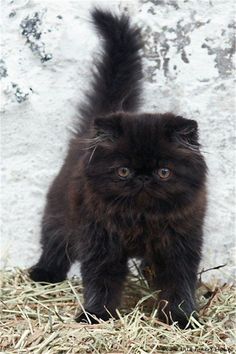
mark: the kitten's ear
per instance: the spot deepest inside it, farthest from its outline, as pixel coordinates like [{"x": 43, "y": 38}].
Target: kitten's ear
[
  {"x": 108, "y": 126},
  {"x": 183, "y": 130}
]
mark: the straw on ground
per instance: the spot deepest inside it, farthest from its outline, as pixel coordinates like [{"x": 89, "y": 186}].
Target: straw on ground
[{"x": 40, "y": 319}]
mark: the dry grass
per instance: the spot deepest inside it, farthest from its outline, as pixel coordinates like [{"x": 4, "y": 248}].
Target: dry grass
[{"x": 39, "y": 319}]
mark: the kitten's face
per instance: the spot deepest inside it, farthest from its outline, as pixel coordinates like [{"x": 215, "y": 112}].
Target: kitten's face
[{"x": 145, "y": 162}]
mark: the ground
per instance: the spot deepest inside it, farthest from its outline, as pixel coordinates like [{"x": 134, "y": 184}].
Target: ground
[{"x": 40, "y": 319}]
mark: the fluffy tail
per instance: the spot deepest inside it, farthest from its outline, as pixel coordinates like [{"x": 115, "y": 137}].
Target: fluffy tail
[{"x": 117, "y": 81}]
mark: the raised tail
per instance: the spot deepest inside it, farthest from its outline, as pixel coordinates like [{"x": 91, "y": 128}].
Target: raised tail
[{"x": 117, "y": 80}]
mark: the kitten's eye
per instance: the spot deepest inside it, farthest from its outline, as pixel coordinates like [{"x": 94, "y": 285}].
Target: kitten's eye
[
  {"x": 164, "y": 173},
  {"x": 123, "y": 172}
]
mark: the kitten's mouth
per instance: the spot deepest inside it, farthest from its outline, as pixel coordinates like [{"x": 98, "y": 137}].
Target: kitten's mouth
[{"x": 143, "y": 197}]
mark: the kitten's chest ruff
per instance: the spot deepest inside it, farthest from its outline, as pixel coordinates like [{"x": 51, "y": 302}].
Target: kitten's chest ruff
[{"x": 144, "y": 236}]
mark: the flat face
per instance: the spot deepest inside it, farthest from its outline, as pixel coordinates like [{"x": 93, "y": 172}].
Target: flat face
[{"x": 139, "y": 159}]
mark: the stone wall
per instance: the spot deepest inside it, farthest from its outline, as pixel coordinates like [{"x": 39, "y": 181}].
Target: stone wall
[{"x": 47, "y": 52}]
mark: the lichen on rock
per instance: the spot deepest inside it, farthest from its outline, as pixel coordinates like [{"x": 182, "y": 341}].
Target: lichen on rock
[
  {"x": 32, "y": 29},
  {"x": 3, "y": 69}
]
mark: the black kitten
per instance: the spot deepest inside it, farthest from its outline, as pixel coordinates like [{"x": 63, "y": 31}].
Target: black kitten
[{"x": 132, "y": 185}]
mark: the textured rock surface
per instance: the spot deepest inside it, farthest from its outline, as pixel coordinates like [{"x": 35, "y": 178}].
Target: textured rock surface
[{"x": 47, "y": 52}]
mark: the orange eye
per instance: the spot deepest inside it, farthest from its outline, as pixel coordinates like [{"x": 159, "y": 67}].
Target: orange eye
[
  {"x": 123, "y": 172},
  {"x": 164, "y": 173}
]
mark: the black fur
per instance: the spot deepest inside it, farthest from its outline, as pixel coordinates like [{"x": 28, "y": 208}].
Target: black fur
[
  {"x": 117, "y": 78},
  {"x": 97, "y": 216}
]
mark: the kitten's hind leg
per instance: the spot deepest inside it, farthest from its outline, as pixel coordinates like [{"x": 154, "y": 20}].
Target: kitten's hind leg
[
  {"x": 146, "y": 271},
  {"x": 56, "y": 257}
]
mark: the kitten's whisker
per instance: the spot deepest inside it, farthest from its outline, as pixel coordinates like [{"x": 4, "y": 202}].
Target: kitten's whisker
[{"x": 91, "y": 156}]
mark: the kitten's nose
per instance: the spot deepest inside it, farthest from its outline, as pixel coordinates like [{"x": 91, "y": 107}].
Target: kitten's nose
[{"x": 144, "y": 178}]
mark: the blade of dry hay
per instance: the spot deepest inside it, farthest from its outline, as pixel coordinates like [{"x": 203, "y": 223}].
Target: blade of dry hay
[{"x": 40, "y": 319}]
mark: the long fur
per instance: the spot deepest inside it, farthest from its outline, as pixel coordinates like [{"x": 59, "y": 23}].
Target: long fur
[
  {"x": 96, "y": 216},
  {"x": 117, "y": 78}
]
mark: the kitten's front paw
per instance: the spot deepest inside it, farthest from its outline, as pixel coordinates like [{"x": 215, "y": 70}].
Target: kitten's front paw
[
  {"x": 44, "y": 276},
  {"x": 183, "y": 321},
  {"x": 92, "y": 318},
  {"x": 176, "y": 314}
]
